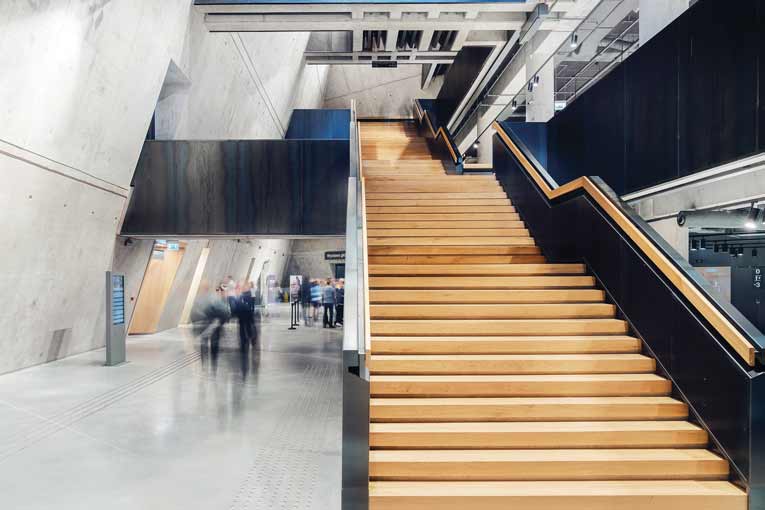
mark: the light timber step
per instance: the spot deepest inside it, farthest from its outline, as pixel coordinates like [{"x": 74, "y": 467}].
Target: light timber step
[
  {"x": 493, "y": 311},
  {"x": 456, "y": 259},
  {"x": 589, "y": 385},
  {"x": 526, "y": 409},
  {"x": 453, "y": 250},
  {"x": 447, "y": 218},
  {"x": 439, "y": 209},
  {"x": 447, "y": 232},
  {"x": 505, "y": 344},
  {"x": 464, "y": 194},
  {"x": 418, "y": 185},
  {"x": 559, "y": 464},
  {"x": 435, "y": 327},
  {"x": 450, "y": 241},
  {"x": 557, "y": 495},
  {"x": 412, "y": 224},
  {"x": 537, "y": 435},
  {"x": 435, "y": 202},
  {"x": 479, "y": 269},
  {"x": 479, "y": 282},
  {"x": 496, "y": 364},
  {"x": 417, "y": 296}
]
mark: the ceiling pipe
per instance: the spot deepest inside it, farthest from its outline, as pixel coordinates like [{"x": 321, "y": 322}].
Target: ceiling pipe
[{"x": 735, "y": 219}]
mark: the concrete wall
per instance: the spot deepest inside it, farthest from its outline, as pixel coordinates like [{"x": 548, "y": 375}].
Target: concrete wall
[
  {"x": 80, "y": 84},
  {"x": 237, "y": 85},
  {"x": 378, "y": 92},
  {"x": 308, "y": 257},
  {"x": 72, "y": 124},
  {"x": 131, "y": 259}
]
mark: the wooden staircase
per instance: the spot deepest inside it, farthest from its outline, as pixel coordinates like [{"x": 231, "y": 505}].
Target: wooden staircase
[{"x": 501, "y": 381}]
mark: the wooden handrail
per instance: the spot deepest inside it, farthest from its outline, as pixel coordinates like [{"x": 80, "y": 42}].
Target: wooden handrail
[
  {"x": 440, "y": 133},
  {"x": 686, "y": 287}
]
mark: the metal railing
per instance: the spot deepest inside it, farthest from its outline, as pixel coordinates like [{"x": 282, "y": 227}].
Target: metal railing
[
  {"x": 354, "y": 331},
  {"x": 355, "y": 452}
]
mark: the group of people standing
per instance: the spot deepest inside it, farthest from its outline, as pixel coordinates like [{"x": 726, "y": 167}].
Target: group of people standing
[{"x": 328, "y": 294}]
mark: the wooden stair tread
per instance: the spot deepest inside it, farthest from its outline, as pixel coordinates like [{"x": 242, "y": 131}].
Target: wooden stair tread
[
  {"x": 375, "y": 225},
  {"x": 463, "y": 194},
  {"x": 552, "y": 464},
  {"x": 480, "y": 282},
  {"x": 505, "y": 344},
  {"x": 446, "y": 218},
  {"x": 439, "y": 209},
  {"x": 555, "y": 495},
  {"x": 411, "y": 364},
  {"x": 479, "y": 327},
  {"x": 477, "y": 269},
  {"x": 456, "y": 259},
  {"x": 537, "y": 435},
  {"x": 440, "y": 232},
  {"x": 452, "y": 250},
  {"x": 492, "y": 311},
  {"x": 548, "y": 385},
  {"x": 447, "y": 241},
  {"x": 525, "y": 409},
  {"x": 520, "y": 296}
]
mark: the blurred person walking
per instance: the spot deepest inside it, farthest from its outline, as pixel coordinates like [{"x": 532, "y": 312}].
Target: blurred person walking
[
  {"x": 245, "y": 313},
  {"x": 328, "y": 299},
  {"x": 305, "y": 299},
  {"x": 315, "y": 299},
  {"x": 208, "y": 315}
]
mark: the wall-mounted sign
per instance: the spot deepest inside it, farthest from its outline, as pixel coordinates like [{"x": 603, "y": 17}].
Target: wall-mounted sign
[
  {"x": 757, "y": 277},
  {"x": 334, "y": 256},
  {"x": 173, "y": 246}
]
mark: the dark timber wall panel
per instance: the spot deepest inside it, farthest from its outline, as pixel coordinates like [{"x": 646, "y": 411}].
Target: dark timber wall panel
[
  {"x": 248, "y": 187},
  {"x": 458, "y": 80},
  {"x": 325, "y": 124},
  {"x": 689, "y": 100}
]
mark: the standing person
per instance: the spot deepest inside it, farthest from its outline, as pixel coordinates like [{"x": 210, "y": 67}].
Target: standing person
[
  {"x": 229, "y": 288},
  {"x": 315, "y": 299},
  {"x": 245, "y": 313},
  {"x": 339, "y": 302},
  {"x": 305, "y": 299},
  {"x": 328, "y": 297}
]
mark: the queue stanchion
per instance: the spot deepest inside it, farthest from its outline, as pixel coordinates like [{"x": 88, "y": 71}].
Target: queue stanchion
[{"x": 294, "y": 319}]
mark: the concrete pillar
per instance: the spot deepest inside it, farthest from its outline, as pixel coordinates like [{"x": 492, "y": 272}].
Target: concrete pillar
[
  {"x": 540, "y": 102},
  {"x": 484, "y": 148},
  {"x": 657, "y": 14},
  {"x": 674, "y": 234}
]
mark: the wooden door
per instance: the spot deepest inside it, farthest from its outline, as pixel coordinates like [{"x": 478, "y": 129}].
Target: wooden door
[{"x": 155, "y": 289}]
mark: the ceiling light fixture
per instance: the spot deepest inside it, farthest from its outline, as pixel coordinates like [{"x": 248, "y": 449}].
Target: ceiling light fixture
[
  {"x": 751, "y": 218},
  {"x": 574, "y": 41}
]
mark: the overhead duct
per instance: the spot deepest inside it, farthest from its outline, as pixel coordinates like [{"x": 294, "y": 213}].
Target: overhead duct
[
  {"x": 736, "y": 219},
  {"x": 536, "y": 17}
]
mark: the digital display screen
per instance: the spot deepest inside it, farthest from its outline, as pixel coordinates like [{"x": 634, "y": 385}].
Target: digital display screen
[{"x": 118, "y": 300}]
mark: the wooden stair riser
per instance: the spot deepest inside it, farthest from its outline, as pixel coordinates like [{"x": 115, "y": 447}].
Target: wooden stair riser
[
  {"x": 536, "y": 435},
  {"x": 603, "y": 385},
  {"x": 561, "y": 464},
  {"x": 506, "y": 345},
  {"x": 525, "y": 409},
  {"x": 492, "y": 311}
]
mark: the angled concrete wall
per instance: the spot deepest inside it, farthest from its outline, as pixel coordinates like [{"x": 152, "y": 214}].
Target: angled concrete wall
[
  {"x": 81, "y": 82},
  {"x": 378, "y": 92}
]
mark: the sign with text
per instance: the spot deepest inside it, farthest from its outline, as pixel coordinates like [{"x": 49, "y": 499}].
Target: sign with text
[{"x": 334, "y": 256}]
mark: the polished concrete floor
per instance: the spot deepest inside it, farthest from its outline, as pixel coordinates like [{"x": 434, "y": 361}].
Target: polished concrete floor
[{"x": 173, "y": 430}]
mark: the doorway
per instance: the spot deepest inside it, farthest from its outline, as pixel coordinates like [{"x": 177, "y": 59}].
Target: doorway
[{"x": 155, "y": 287}]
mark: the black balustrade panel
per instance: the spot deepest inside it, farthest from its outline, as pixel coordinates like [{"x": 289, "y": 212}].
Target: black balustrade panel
[
  {"x": 690, "y": 99},
  {"x": 240, "y": 187}
]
